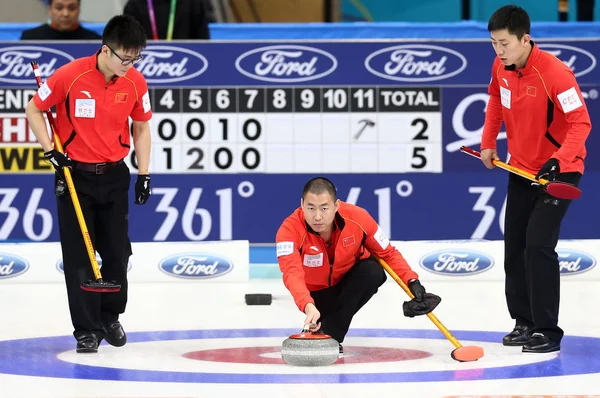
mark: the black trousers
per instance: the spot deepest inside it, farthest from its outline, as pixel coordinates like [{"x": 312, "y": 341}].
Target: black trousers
[
  {"x": 105, "y": 205},
  {"x": 585, "y": 10},
  {"x": 338, "y": 304},
  {"x": 531, "y": 232}
]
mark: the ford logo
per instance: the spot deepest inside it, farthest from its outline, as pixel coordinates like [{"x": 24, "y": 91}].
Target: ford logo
[
  {"x": 61, "y": 266},
  {"x": 196, "y": 265},
  {"x": 456, "y": 262},
  {"x": 15, "y": 63},
  {"x": 286, "y": 63},
  {"x": 166, "y": 64},
  {"x": 11, "y": 265},
  {"x": 415, "y": 63},
  {"x": 573, "y": 262},
  {"x": 580, "y": 61}
]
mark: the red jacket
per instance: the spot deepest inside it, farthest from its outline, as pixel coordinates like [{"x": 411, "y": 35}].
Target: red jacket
[
  {"x": 92, "y": 116},
  {"x": 305, "y": 264},
  {"x": 543, "y": 110}
]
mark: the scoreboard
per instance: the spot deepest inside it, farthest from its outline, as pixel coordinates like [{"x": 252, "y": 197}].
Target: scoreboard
[
  {"x": 239, "y": 127},
  {"x": 19, "y": 150},
  {"x": 311, "y": 129}
]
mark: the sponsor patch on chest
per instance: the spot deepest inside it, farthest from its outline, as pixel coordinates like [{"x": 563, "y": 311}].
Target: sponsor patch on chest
[
  {"x": 313, "y": 260},
  {"x": 85, "y": 108},
  {"x": 505, "y": 97}
]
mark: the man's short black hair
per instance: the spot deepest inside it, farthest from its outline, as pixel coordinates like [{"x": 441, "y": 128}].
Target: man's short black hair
[
  {"x": 513, "y": 18},
  {"x": 124, "y": 32},
  {"x": 319, "y": 185},
  {"x": 50, "y": 2}
]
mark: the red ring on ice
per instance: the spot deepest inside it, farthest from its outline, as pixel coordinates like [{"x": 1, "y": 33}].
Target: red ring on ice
[{"x": 271, "y": 355}]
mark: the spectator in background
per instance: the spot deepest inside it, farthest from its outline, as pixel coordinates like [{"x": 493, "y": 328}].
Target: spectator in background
[
  {"x": 585, "y": 10},
  {"x": 64, "y": 24},
  {"x": 191, "y": 18}
]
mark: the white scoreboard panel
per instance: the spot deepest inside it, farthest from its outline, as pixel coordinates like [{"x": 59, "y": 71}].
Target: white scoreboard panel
[{"x": 302, "y": 129}]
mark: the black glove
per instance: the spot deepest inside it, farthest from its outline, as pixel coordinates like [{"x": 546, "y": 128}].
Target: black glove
[
  {"x": 142, "y": 189},
  {"x": 417, "y": 290},
  {"x": 549, "y": 170},
  {"x": 58, "y": 160},
  {"x": 413, "y": 308}
]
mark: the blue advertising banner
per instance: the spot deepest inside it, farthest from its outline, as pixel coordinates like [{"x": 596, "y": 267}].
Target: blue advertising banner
[
  {"x": 300, "y": 63},
  {"x": 239, "y": 127},
  {"x": 449, "y": 206}
]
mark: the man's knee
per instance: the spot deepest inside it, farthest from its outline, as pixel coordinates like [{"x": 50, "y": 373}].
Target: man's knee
[
  {"x": 535, "y": 251},
  {"x": 371, "y": 272}
]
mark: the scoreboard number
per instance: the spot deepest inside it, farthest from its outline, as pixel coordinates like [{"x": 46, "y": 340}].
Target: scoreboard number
[
  {"x": 276, "y": 129},
  {"x": 303, "y": 129}
]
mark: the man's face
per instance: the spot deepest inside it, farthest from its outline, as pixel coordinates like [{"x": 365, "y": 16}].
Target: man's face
[
  {"x": 115, "y": 59},
  {"x": 319, "y": 211},
  {"x": 64, "y": 14},
  {"x": 508, "y": 47}
]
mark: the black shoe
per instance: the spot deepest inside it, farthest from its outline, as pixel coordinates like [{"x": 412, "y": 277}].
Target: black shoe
[
  {"x": 341, "y": 349},
  {"x": 540, "y": 344},
  {"x": 519, "y": 336},
  {"x": 114, "y": 334},
  {"x": 87, "y": 343}
]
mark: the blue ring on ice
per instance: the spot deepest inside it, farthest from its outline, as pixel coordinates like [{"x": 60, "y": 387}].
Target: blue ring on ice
[{"x": 38, "y": 357}]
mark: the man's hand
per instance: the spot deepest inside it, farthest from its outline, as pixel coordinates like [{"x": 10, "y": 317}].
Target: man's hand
[
  {"x": 58, "y": 160},
  {"x": 142, "y": 189},
  {"x": 487, "y": 155},
  {"x": 417, "y": 290},
  {"x": 549, "y": 170},
  {"x": 312, "y": 316}
]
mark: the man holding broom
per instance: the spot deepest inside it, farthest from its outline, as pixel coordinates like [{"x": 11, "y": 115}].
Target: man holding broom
[
  {"x": 325, "y": 251},
  {"x": 94, "y": 97},
  {"x": 547, "y": 123}
]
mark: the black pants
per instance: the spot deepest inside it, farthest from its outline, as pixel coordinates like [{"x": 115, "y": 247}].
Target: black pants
[
  {"x": 585, "y": 10},
  {"x": 338, "y": 304},
  {"x": 105, "y": 205},
  {"x": 531, "y": 232}
]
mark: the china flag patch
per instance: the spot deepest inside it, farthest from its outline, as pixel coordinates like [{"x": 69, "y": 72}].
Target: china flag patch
[
  {"x": 121, "y": 97},
  {"x": 348, "y": 241}
]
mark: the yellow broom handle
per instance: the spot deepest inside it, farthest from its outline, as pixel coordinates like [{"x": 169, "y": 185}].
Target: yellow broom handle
[{"x": 430, "y": 315}]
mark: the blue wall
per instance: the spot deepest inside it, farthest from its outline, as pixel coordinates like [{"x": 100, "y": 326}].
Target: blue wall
[{"x": 450, "y": 10}]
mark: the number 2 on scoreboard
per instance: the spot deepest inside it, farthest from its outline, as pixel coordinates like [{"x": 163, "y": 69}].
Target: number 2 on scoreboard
[{"x": 419, "y": 160}]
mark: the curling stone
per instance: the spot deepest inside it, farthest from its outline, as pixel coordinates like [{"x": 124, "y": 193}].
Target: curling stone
[
  {"x": 258, "y": 299},
  {"x": 310, "y": 349}
]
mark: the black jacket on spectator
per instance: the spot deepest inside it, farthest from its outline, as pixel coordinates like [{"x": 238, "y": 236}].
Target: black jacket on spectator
[
  {"x": 47, "y": 32},
  {"x": 191, "y": 18}
]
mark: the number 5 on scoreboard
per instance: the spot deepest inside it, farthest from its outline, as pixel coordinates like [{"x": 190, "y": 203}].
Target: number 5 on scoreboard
[{"x": 418, "y": 159}]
